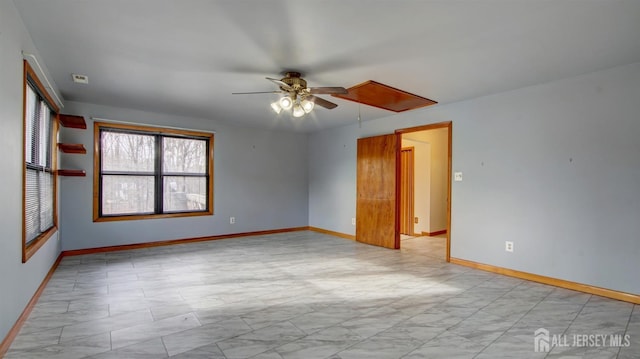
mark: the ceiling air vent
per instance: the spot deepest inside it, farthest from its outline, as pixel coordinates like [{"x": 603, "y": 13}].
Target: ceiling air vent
[{"x": 80, "y": 79}]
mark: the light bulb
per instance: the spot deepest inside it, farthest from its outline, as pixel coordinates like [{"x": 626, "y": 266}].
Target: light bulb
[
  {"x": 307, "y": 105},
  {"x": 298, "y": 111},
  {"x": 286, "y": 102},
  {"x": 276, "y": 107}
]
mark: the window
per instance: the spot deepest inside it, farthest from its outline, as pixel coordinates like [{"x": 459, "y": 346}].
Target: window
[
  {"x": 39, "y": 180},
  {"x": 145, "y": 172}
]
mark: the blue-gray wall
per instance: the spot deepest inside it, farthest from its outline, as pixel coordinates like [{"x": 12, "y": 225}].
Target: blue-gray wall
[
  {"x": 555, "y": 168},
  {"x": 18, "y": 281},
  {"x": 260, "y": 178}
]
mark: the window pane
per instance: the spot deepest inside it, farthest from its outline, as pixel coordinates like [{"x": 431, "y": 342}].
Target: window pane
[
  {"x": 181, "y": 155},
  {"x": 38, "y": 203},
  {"x": 127, "y": 152},
  {"x": 127, "y": 194},
  {"x": 31, "y": 134},
  {"x": 46, "y": 200},
  {"x": 184, "y": 193},
  {"x": 32, "y": 205}
]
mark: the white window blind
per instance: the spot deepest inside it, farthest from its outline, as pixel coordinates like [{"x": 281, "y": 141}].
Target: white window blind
[{"x": 39, "y": 183}]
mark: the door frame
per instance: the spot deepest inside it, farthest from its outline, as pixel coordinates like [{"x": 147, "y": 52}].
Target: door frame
[
  {"x": 411, "y": 190},
  {"x": 399, "y": 133}
]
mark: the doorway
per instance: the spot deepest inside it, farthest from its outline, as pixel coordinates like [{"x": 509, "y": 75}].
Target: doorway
[
  {"x": 431, "y": 185},
  {"x": 378, "y": 193}
]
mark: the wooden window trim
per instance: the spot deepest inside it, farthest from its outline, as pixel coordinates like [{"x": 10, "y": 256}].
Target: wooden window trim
[
  {"x": 28, "y": 250},
  {"x": 155, "y": 130}
]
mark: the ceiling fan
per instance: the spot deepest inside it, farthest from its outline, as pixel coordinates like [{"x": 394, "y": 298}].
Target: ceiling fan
[{"x": 298, "y": 97}]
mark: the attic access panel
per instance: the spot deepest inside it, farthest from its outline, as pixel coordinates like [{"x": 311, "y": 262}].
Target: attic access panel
[{"x": 379, "y": 95}]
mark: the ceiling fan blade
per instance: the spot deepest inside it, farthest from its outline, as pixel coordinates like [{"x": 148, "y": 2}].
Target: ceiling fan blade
[
  {"x": 327, "y": 90},
  {"x": 322, "y": 102},
  {"x": 280, "y": 83},
  {"x": 253, "y": 93}
]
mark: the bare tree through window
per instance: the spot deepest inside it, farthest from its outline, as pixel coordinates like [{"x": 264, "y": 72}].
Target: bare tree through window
[{"x": 152, "y": 173}]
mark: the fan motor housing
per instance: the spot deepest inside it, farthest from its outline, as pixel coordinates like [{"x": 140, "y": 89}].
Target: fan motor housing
[{"x": 294, "y": 80}]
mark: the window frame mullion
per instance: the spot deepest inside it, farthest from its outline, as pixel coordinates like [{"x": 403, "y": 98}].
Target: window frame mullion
[{"x": 159, "y": 183}]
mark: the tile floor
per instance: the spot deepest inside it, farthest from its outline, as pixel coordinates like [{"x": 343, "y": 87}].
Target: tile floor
[{"x": 307, "y": 295}]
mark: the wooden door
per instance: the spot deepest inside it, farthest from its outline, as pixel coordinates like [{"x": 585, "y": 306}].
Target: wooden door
[
  {"x": 406, "y": 191},
  {"x": 376, "y": 218}
]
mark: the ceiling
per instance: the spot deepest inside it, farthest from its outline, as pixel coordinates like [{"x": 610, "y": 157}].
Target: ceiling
[{"x": 186, "y": 57}]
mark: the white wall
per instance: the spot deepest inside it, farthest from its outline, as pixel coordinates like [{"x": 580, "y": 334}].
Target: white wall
[
  {"x": 421, "y": 183},
  {"x": 438, "y": 167},
  {"x": 18, "y": 281},
  {"x": 259, "y": 178},
  {"x": 439, "y": 140},
  {"x": 553, "y": 167}
]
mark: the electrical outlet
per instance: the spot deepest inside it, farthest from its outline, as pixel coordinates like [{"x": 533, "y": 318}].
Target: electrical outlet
[
  {"x": 353, "y": 221},
  {"x": 415, "y": 219},
  {"x": 457, "y": 176},
  {"x": 508, "y": 246},
  {"x": 232, "y": 220}
]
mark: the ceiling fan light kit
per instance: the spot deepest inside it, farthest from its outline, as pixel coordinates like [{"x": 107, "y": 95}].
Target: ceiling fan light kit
[
  {"x": 297, "y": 97},
  {"x": 298, "y": 111},
  {"x": 276, "y": 107},
  {"x": 307, "y": 105},
  {"x": 286, "y": 103}
]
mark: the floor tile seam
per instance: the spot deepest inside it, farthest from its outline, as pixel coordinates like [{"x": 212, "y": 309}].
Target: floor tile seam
[
  {"x": 517, "y": 321},
  {"x": 220, "y": 349},
  {"x": 356, "y": 343},
  {"x": 249, "y": 325},
  {"x": 300, "y": 329},
  {"x": 403, "y": 355},
  {"x": 74, "y": 322},
  {"x": 160, "y": 336},
  {"x": 164, "y": 345},
  {"x": 481, "y": 308},
  {"x": 268, "y": 342},
  {"x": 213, "y": 342},
  {"x": 321, "y": 329},
  {"x": 309, "y": 334},
  {"x": 626, "y": 328},
  {"x": 274, "y": 306},
  {"x": 432, "y": 339},
  {"x": 577, "y": 315},
  {"x": 512, "y": 325},
  {"x": 570, "y": 323},
  {"x": 37, "y": 346}
]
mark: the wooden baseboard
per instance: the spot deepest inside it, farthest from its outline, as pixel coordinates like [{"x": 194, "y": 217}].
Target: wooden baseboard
[
  {"x": 76, "y": 252},
  {"x": 436, "y": 233},
  {"x": 332, "y": 233},
  {"x": 603, "y": 292},
  {"x": 13, "y": 332}
]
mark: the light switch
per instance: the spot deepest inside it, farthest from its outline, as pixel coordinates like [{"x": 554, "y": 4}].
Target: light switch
[{"x": 457, "y": 176}]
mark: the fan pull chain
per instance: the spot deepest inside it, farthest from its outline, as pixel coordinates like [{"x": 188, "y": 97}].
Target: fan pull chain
[{"x": 359, "y": 118}]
